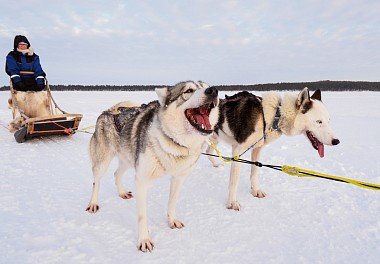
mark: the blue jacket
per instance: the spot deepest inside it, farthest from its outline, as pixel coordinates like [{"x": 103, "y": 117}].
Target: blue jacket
[{"x": 16, "y": 62}]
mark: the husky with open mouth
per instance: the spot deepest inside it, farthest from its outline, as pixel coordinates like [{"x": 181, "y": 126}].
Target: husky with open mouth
[
  {"x": 162, "y": 137},
  {"x": 247, "y": 122}
]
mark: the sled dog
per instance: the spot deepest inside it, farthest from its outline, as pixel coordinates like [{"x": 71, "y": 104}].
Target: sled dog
[
  {"x": 32, "y": 104},
  {"x": 250, "y": 122},
  {"x": 162, "y": 137}
]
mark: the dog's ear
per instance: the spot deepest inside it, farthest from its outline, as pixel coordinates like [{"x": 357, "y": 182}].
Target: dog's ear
[
  {"x": 303, "y": 97},
  {"x": 162, "y": 93},
  {"x": 203, "y": 84},
  {"x": 317, "y": 95}
]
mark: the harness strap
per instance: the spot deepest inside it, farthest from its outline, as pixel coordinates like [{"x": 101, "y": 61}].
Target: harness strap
[
  {"x": 262, "y": 138},
  {"x": 276, "y": 119},
  {"x": 225, "y": 159},
  {"x": 273, "y": 128}
]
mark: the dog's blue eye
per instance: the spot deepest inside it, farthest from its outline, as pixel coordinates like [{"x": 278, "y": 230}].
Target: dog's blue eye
[{"x": 189, "y": 91}]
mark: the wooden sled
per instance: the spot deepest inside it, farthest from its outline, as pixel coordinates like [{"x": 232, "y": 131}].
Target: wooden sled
[{"x": 58, "y": 123}]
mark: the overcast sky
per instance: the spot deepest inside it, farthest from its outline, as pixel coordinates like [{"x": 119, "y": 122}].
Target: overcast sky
[{"x": 219, "y": 42}]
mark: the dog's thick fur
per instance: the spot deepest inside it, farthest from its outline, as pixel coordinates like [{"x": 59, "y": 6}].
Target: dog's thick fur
[
  {"x": 119, "y": 107},
  {"x": 244, "y": 119},
  {"x": 33, "y": 104},
  {"x": 162, "y": 137}
]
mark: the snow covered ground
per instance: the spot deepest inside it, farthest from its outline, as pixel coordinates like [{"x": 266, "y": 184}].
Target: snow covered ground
[{"x": 45, "y": 186}]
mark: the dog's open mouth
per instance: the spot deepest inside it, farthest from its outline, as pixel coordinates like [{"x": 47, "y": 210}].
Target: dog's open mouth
[
  {"x": 318, "y": 145},
  {"x": 199, "y": 117}
]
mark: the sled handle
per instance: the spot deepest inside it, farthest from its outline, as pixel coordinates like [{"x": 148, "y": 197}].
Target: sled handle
[{"x": 26, "y": 72}]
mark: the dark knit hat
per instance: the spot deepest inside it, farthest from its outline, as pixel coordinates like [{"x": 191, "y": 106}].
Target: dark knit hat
[{"x": 18, "y": 39}]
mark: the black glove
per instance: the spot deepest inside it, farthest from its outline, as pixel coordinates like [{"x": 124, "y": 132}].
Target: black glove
[
  {"x": 20, "y": 86},
  {"x": 40, "y": 87}
]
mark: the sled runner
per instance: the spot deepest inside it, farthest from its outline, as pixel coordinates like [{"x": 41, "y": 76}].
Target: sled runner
[{"x": 58, "y": 122}]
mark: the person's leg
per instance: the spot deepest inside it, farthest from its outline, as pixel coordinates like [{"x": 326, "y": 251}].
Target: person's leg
[
  {"x": 20, "y": 86},
  {"x": 31, "y": 85}
]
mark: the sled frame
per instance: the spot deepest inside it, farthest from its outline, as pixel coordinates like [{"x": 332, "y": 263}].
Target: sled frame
[{"x": 54, "y": 124}]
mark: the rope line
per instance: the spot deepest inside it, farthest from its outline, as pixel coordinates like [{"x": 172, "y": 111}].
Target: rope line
[
  {"x": 263, "y": 137},
  {"x": 83, "y": 131},
  {"x": 87, "y": 128},
  {"x": 1, "y": 124},
  {"x": 299, "y": 172},
  {"x": 67, "y": 130},
  {"x": 295, "y": 171}
]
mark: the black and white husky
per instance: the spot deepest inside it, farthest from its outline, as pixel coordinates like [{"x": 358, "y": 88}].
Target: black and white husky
[
  {"x": 162, "y": 137},
  {"x": 247, "y": 121}
]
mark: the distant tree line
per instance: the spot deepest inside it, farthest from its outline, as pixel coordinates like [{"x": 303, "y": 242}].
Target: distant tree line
[{"x": 322, "y": 85}]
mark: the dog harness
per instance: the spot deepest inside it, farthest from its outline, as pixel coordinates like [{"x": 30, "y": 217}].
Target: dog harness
[
  {"x": 276, "y": 119},
  {"x": 274, "y": 127}
]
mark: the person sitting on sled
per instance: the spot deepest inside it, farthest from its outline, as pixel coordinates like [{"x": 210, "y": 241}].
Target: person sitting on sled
[{"x": 24, "y": 68}]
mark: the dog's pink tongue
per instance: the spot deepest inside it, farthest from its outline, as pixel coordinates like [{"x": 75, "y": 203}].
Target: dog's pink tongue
[
  {"x": 203, "y": 119},
  {"x": 321, "y": 150}
]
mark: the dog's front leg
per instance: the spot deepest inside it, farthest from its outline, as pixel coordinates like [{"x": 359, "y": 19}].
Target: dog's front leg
[
  {"x": 255, "y": 188},
  {"x": 232, "y": 203},
  {"x": 144, "y": 242},
  {"x": 175, "y": 186}
]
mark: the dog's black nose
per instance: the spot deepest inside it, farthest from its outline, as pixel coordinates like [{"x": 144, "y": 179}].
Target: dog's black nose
[
  {"x": 211, "y": 91},
  {"x": 335, "y": 141}
]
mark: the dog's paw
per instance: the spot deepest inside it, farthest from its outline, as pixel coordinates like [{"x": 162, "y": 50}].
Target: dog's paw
[
  {"x": 145, "y": 245},
  {"x": 176, "y": 224},
  {"x": 126, "y": 195},
  {"x": 258, "y": 193},
  {"x": 92, "y": 208},
  {"x": 234, "y": 205}
]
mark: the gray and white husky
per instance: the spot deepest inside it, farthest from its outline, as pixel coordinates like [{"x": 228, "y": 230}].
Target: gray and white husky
[
  {"x": 162, "y": 137},
  {"x": 247, "y": 121}
]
